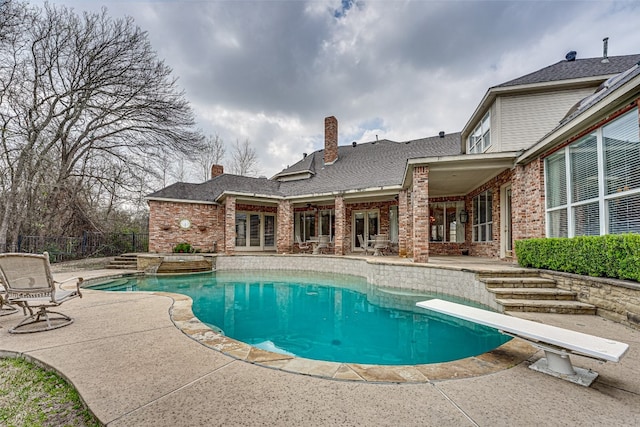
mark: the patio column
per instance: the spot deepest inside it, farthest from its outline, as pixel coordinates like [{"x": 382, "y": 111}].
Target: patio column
[
  {"x": 285, "y": 227},
  {"x": 403, "y": 223},
  {"x": 420, "y": 202},
  {"x": 340, "y": 226},
  {"x": 230, "y": 225}
]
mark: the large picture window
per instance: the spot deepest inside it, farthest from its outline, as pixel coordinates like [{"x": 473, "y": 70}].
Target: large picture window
[
  {"x": 480, "y": 139},
  {"x": 483, "y": 217},
  {"x": 593, "y": 185}
]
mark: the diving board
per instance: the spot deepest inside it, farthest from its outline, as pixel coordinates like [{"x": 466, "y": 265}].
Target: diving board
[{"x": 557, "y": 343}]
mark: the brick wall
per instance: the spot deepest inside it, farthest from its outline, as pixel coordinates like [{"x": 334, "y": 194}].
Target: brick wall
[
  {"x": 528, "y": 201},
  {"x": 421, "y": 223},
  {"x": 165, "y": 231},
  {"x": 284, "y": 229},
  {"x": 230, "y": 225}
]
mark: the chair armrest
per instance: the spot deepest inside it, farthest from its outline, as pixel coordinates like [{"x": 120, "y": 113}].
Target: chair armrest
[{"x": 78, "y": 283}]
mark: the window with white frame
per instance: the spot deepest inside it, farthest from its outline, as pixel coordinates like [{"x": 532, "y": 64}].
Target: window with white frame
[
  {"x": 480, "y": 138},
  {"x": 483, "y": 217},
  {"x": 445, "y": 223},
  {"x": 593, "y": 185}
]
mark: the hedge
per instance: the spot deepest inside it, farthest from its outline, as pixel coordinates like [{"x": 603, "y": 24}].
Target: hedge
[{"x": 616, "y": 256}]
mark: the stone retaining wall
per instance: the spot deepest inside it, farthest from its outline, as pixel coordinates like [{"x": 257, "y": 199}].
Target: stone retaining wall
[
  {"x": 617, "y": 300},
  {"x": 410, "y": 277}
]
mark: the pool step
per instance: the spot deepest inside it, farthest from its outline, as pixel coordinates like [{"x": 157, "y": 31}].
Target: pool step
[
  {"x": 533, "y": 293},
  {"x": 546, "y": 306}
]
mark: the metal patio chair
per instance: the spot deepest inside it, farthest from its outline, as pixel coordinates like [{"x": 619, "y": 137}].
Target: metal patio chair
[
  {"x": 5, "y": 307},
  {"x": 29, "y": 284}
]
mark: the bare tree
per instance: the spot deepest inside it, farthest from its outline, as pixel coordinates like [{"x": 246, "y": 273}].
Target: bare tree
[
  {"x": 212, "y": 154},
  {"x": 76, "y": 91},
  {"x": 244, "y": 160}
]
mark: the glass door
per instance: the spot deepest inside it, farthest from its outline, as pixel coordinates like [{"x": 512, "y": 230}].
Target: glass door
[{"x": 365, "y": 223}]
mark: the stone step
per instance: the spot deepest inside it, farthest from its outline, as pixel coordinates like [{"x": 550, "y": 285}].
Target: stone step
[
  {"x": 546, "y": 306},
  {"x": 121, "y": 267},
  {"x": 518, "y": 282},
  {"x": 533, "y": 293},
  {"x": 507, "y": 273},
  {"x": 124, "y": 262}
]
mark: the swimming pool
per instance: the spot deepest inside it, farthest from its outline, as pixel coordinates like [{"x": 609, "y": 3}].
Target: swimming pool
[{"x": 320, "y": 316}]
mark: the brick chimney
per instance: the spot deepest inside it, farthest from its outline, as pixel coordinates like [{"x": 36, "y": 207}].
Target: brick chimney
[
  {"x": 330, "y": 140},
  {"x": 216, "y": 170}
]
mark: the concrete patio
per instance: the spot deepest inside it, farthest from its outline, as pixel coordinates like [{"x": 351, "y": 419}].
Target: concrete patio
[{"x": 134, "y": 367}]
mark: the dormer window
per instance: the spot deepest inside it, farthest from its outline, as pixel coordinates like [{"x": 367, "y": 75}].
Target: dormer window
[{"x": 480, "y": 140}]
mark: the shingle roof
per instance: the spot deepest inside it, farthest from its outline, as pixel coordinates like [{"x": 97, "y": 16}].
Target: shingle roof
[
  {"x": 373, "y": 164},
  {"x": 580, "y": 68},
  {"x": 210, "y": 190}
]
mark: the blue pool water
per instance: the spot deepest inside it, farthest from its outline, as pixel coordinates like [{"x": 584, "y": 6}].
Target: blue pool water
[{"x": 324, "y": 317}]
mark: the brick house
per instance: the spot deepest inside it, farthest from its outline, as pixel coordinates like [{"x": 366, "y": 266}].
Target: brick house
[{"x": 552, "y": 153}]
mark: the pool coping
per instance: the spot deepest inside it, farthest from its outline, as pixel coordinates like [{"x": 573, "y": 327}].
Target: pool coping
[{"x": 504, "y": 357}]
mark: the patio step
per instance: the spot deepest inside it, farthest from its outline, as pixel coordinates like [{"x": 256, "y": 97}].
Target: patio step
[
  {"x": 526, "y": 291},
  {"x": 124, "y": 262},
  {"x": 546, "y": 306},
  {"x": 534, "y": 293},
  {"x": 518, "y": 282}
]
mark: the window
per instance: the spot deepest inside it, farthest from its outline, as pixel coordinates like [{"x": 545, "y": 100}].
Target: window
[
  {"x": 305, "y": 225},
  {"x": 393, "y": 224},
  {"x": 593, "y": 185},
  {"x": 255, "y": 230},
  {"x": 445, "y": 223},
  {"x": 480, "y": 139},
  {"x": 327, "y": 223},
  {"x": 483, "y": 217}
]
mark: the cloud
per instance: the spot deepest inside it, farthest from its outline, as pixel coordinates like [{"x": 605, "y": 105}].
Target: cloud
[{"x": 270, "y": 71}]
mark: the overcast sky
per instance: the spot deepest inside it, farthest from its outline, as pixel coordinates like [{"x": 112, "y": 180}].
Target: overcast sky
[{"x": 271, "y": 71}]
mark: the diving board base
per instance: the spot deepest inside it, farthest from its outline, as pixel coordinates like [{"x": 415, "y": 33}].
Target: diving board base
[{"x": 581, "y": 376}]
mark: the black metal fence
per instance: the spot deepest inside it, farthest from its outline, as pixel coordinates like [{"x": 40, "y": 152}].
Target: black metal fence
[{"x": 90, "y": 244}]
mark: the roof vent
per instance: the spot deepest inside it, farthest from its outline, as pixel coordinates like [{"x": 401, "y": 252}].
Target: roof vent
[
  {"x": 353, "y": 144},
  {"x": 441, "y": 134},
  {"x": 571, "y": 56},
  {"x": 605, "y": 48},
  {"x": 304, "y": 155}
]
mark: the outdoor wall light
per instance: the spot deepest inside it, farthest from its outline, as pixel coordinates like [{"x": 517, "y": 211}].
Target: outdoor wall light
[{"x": 464, "y": 216}]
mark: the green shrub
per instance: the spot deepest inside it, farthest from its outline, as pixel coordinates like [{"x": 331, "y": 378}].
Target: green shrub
[
  {"x": 183, "y": 247},
  {"x": 616, "y": 256}
]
